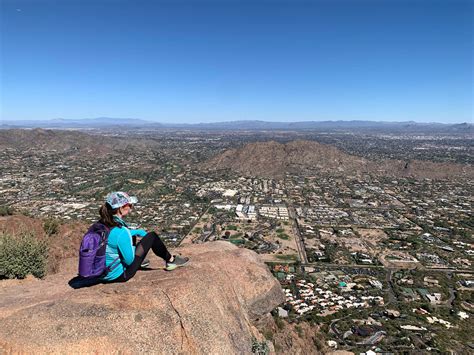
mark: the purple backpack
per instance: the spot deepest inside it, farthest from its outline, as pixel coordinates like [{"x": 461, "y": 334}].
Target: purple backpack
[{"x": 92, "y": 252}]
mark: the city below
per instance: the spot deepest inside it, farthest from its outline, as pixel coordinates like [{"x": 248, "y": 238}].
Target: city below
[{"x": 370, "y": 233}]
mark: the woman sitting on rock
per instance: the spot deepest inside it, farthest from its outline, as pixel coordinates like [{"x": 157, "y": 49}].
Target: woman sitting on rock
[{"x": 123, "y": 255}]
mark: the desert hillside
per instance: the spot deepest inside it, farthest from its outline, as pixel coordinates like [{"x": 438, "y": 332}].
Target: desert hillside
[
  {"x": 275, "y": 160},
  {"x": 71, "y": 142}
]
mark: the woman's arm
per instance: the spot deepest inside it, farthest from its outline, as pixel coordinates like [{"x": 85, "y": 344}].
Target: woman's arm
[
  {"x": 124, "y": 244},
  {"x": 139, "y": 232}
]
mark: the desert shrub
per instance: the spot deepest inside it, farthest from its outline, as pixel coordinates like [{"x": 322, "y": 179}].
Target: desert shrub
[
  {"x": 212, "y": 210},
  {"x": 260, "y": 347},
  {"x": 51, "y": 226},
  {"x": 268, "y": 334},
  {"x": 280, "y": 323},
  {"x": 21, "y": 255},
  {"x": 6, "y": 211},
  {"x": 26, "y": 213}
]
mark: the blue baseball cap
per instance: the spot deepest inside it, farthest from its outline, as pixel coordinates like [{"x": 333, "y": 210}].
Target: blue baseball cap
[{"x": 118, "y": 199}]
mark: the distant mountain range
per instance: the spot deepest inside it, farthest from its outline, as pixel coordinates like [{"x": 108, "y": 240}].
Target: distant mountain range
[
  {"x": 134, "y": 123},
  {"x": 99, "y": 122}
]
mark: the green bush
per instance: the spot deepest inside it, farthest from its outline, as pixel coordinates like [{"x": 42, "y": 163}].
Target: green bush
[
  {"x": 51, "y": 226},
  {"x": 22, "y": 255},
  {"x": 318, "y": 343},
  {"x": 280, "y": 323},
  {"x": 268, "y": 334},
  {"x": 259, "y": 347},
  {"x": 6, "y": 211}
]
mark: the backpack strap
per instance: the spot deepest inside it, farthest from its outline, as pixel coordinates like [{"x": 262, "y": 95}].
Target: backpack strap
[
  {"x": 105, "y": 237},
  {"x": 113, "y": 265}
]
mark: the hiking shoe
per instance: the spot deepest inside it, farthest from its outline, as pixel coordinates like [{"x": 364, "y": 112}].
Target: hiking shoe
[
  {"x": 145, "y": 263},
  {"x": 177, "y": 262}
]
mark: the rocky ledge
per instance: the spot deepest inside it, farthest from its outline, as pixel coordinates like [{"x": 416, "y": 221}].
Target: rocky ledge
[{"x": 208, "y": 307}]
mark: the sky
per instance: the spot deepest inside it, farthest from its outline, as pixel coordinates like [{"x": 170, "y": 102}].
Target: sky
[{"x": 213, "y": 61}]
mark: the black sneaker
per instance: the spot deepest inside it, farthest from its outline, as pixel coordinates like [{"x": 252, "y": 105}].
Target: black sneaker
[{"x": 177, "y": 262}]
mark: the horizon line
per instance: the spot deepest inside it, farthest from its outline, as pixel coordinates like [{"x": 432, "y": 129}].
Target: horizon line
[{"x": 3, "y": 121}]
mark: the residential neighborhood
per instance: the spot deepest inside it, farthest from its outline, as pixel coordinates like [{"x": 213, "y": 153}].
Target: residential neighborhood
[{"x": 378, "y": 262}]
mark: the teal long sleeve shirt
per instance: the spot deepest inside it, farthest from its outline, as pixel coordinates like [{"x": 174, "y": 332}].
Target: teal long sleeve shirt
[{"x": 120, "y": 247}]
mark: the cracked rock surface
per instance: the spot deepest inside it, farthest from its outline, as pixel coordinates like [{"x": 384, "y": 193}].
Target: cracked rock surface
[{"x": 207, "y": 307}]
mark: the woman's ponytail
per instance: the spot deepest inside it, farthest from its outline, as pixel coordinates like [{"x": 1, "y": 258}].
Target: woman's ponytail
[{"x": 107, "y": 215}]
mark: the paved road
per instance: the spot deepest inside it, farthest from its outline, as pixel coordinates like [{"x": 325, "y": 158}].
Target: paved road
[
  {"x": 299, "y": 238},
  {"x": 461, "y": 271},
  {"x": 335, "y": 330},
  {"x": 340, "y": 266},
  {"x": 194, "y": 224},
  {"x": 449, "y": 301},
  {"x": 373, "y": 339},
  {"x": 391, "y": 295}
]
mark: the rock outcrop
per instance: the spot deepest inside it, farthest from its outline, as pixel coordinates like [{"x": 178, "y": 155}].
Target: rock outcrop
[{"x": 208, "y": 307}]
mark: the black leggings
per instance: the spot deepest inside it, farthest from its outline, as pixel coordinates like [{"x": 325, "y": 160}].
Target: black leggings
[{"x": 151, "y": 240}]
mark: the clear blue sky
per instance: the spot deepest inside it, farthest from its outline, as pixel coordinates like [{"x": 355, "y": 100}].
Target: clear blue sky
[{"x": 205, "y": 61}]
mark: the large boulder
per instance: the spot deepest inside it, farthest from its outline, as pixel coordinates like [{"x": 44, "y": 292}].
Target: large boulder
[{"x": 207, "y": 307}]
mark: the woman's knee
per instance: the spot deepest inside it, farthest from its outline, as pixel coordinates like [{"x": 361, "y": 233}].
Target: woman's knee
[{"x": 156, "y": 237}]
